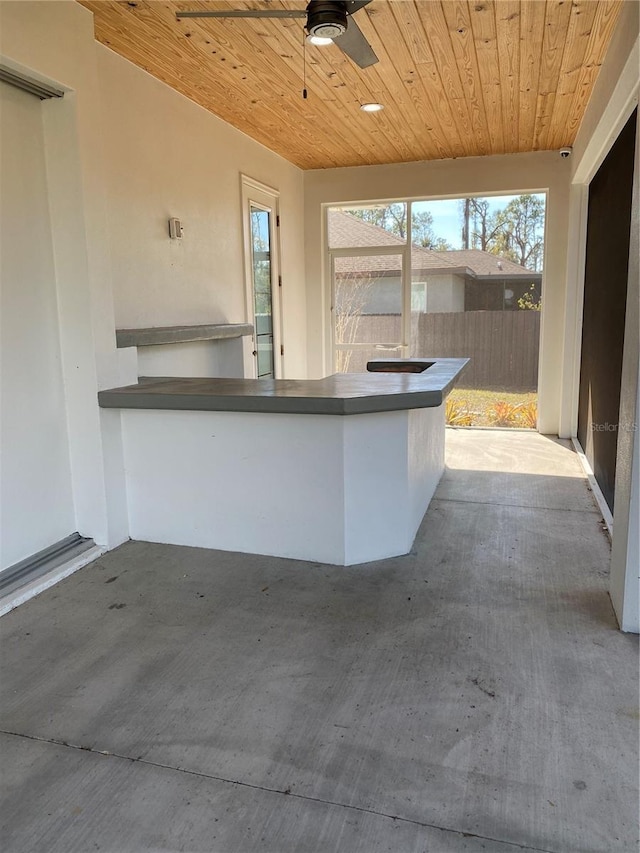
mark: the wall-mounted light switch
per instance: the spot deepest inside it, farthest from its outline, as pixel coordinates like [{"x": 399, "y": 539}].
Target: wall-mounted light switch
[{"x": 175, "y": 229}]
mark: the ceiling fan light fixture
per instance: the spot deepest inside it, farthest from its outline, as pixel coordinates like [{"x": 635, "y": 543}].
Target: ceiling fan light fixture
[
  {"x": 326, "y": 19},
  {"x": 320, "y": 41},
  {"x": 371, "y": 108},
  {"x": 328, "y": 30}
]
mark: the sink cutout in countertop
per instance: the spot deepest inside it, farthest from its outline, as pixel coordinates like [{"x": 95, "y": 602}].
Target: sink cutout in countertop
[{"x": 398, "y": 366}]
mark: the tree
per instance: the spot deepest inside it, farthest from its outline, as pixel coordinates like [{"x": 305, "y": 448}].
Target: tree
[
  {"x": 439, "y": 245},
  {"x": 352, "y": 290},
  {"x": 481, "y": 228},
  {"x": 522, "y": 236},
  {"x": 422, "y": 229},
  {"x": 516, "y": 232},
  {"x": 393, "y": 218},
  {"x": 530, "y": 300}
]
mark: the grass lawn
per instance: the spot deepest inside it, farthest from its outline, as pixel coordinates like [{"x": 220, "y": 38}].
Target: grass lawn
[{"x": 477, "y": 407}]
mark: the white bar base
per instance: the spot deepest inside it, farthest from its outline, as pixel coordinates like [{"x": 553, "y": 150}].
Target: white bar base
[{"x": 332, "y": 489}]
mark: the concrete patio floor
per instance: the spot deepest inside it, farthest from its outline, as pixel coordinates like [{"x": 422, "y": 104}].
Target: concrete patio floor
[{"x": 474, "y": 695}]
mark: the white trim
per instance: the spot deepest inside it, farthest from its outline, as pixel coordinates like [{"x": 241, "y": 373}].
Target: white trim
[
  {"x": 623, "y": 101},
  {"x": 365, "y": 251},
  {"x": 326, "y": 339},
  {"x": 46, "y": 82},
  {"x": 574, "y": 306},
  {"x": 407, "y": 279},
  {"x": 251, "y": 183},
  {"x": 544, "y": 315},
  {"x": 593, "y": 485},
  {"x": 332, "y": 312},
  {"x": 30, "y": 590},
  {"x": 267, "y": 198},
  {"x": 624, "y": 585},
  {"x": 28, "y": 84}
]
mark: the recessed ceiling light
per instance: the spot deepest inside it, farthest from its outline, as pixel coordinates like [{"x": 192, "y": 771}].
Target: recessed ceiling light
[
  {"x": 319, "y": 40},
  {"x": 371, "y": 108}
]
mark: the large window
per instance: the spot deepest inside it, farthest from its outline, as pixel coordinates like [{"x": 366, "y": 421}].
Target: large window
[{"x": 454, "y": 277}]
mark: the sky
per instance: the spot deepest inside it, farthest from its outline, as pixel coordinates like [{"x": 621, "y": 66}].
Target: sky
[{"x": 446, "y": 214}]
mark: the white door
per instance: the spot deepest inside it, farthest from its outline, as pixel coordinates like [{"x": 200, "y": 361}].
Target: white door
[
  {"x": 36, "y": 497},
  {"x": 264, "y": 284}
]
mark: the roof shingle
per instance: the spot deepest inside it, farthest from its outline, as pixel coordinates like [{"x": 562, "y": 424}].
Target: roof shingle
[
  {"x": 484, "y": 263},
  {"x": 348, "y": 232}
]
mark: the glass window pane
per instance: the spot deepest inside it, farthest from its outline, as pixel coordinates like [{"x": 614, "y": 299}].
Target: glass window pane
[
  {"x": 265, "y": 356},
  {"x": 262, "y": 295},
  {"x": 367, "y": 225},
  {"x": 368, "y": 299},
  {"x": 263, "y": 324},
  {"x": 475, "y": 290},
  {"x": 260, "y": 229}
]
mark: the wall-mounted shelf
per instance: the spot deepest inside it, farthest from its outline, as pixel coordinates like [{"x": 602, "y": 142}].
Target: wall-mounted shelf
[{"x": 181, "y": 334}]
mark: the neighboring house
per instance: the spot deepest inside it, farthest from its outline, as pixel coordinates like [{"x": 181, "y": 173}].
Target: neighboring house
[
  {"x": 442, "y": 282},
  {"x": 493, "y": 283}
]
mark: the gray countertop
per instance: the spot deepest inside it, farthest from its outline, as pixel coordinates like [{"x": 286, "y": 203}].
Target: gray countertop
[
  {"x": 340, "y": 394},
  {"x": 156, "y": 335}
]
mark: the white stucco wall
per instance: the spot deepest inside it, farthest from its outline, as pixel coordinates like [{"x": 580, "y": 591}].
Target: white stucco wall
[
  {"x": 53, "y": 41},
  {"x": 123, "y": 152},
  {"x": 223, "y": 358},
  {"x": 165, "y": 156},
  {"x": 36, "y": 503},
  {"x": 445, "y": 293},
  {"x": 499, "y": 175},
  {"x": 327, "y": 488}
]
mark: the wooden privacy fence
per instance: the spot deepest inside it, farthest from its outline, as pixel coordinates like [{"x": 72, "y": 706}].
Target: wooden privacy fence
[{"x": 502, "y": 345}]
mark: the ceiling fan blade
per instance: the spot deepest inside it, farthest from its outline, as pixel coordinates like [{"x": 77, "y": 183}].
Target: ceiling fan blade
[
  {"x": 355, "y": 45},
  {"x": 353, "y": 5},
  {"x": 245, "y": 13}
]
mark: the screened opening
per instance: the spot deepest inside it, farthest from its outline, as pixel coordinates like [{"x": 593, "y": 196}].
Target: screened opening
[{"x": 448, "y": 278}]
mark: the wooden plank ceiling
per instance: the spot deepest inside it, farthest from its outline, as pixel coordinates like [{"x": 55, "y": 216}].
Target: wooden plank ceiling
[{"x": 456, "y": 78}]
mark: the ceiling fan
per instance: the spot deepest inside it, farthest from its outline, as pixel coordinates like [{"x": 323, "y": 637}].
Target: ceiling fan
[{"x": 326, "y": 19}]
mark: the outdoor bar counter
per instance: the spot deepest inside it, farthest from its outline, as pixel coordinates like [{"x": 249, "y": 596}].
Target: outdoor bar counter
[{"x": 337, "y": 470}]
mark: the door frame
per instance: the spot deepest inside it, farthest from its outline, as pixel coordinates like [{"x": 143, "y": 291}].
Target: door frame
[{"x": 256, "y": 194}]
